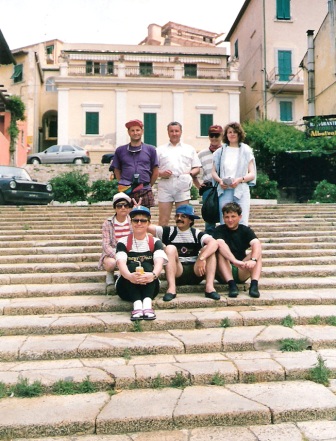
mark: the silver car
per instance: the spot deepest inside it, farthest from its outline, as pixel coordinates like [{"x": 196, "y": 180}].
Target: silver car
[{"x": 60, "y": 154}]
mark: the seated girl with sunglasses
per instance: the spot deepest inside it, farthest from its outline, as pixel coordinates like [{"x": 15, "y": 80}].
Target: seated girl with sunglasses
[
  {"x": 113, "y": 229},
  {"x": 140, "y": 259}
]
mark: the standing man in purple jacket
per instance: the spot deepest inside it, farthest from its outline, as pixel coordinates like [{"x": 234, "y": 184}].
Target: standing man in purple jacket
[{"x": 136, "y": 166}]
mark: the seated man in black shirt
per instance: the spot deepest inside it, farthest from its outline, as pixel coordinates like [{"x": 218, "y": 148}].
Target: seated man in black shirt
[{"x": 233, "y": 264}]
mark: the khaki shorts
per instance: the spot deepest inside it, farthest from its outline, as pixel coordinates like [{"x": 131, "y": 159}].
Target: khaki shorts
[{"x": 175, "y": 189}]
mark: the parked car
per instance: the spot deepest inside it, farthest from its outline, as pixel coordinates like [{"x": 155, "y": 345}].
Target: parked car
[
  {"x": 107, "y": 158},
  {"x": 60, "y": 154},
  {"x": 17, "y": 187}
]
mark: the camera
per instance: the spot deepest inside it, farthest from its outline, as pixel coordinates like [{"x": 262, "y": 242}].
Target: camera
[{"x": 135, "y": 178}]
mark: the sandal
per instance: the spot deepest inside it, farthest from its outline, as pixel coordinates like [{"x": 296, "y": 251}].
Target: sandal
[
  {"x": 146, "y": 315},
  {"x": 137, "y": 314}
]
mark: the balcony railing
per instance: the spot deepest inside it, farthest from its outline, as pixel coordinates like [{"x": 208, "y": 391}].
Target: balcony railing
[{"x": 176, "y": 72}]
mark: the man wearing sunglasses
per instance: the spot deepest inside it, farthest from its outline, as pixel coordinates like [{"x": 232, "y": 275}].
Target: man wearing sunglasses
[
  {"x": 205, "y": 156},
  {"x": 191, "y": 254}
]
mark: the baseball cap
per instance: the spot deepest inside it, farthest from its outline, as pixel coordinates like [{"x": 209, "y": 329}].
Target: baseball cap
[
  {"x": 215, "y": 129},
  {"x": 120, "y": 196},
  {"x": 134, "y": 122},
  {"x": 140, "y": 209},
  {"x": 188, "y": 210}
]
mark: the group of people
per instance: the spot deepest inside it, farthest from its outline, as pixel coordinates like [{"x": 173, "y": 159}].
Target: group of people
[{"x": 229, "y": 253}]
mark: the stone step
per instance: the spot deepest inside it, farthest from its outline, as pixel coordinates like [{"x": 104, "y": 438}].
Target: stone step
[
  {"x": 143, "y": 372},
  {"x": 167, "y": 319},
  {"x": 173, "y": 341},
  {"x": 74, "y": 300},
  {"x": 167, "y": 409},
  {"x": 296, "y": 431}
]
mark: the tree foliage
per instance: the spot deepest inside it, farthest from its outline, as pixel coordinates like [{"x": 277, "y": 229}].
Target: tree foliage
[{"x": 17, "y": 109}]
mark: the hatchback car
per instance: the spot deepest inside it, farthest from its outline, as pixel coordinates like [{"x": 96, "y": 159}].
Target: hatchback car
[
  {"x": 107, "y": 158},
  {"x": 60, "y": 154},
  {"x": 17, "y": 187}
]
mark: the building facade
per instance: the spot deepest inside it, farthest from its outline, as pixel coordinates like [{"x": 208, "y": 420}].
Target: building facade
[
  {"x": 83, "y": 94},
  {"x": 268, "y": 38}
]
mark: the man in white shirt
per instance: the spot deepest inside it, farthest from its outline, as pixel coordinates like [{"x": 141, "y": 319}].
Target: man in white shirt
[{"x": 178, "y": 164}]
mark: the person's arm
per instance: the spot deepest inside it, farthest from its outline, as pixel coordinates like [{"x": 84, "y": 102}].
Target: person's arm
[
  {"x": 117, "y": 174},
  {"x": 106, "y": 240},
  {"x": 210, "y": 246},
  {"x": 155, "y": 175},
  {"x": 194, "y": 171},
  {"x": 225, "y": 251},
  {"x": 249, "y": 176}
]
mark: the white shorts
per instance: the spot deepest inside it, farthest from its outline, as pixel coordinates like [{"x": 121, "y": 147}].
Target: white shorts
[{"x": 175, "y": 189}]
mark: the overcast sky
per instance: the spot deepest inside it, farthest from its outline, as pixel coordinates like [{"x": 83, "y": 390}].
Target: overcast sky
[{"x": 25, "y": 22}]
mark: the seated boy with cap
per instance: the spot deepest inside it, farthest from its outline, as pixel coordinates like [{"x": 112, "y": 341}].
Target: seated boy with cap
[{"x": 191, "y": 254}]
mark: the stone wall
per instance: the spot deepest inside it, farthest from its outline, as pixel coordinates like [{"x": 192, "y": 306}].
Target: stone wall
[{"x": 48, "y": 171}]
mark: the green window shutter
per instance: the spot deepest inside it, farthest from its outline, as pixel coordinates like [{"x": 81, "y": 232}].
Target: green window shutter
[
  {"x": 190, "y": 70},
  {"x": 146, "y": 69},
  {"x": 286, "y": 111},
  {"x": 206, "y": 122},
  {"x": 17, "y": 74},
  {"x": 92, "y": 123},
  {"x": 236, "y": 51},
  {"x": 110, "y": 68},
  {"x": 283, "y": 9},
  {"x": 89, "y": 67},
  {"x": 150, "y": 128},
  {"x": 285, "y": 65}
]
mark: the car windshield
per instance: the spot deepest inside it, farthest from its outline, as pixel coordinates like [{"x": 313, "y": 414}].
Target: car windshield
[{"x": 14, "y": 172}]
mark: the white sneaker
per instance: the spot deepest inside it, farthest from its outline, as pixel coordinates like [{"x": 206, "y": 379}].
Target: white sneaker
[{"x": 109, "y": 278}]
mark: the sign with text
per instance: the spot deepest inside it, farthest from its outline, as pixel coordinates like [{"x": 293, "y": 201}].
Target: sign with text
[{"x": 320, "y": 125}]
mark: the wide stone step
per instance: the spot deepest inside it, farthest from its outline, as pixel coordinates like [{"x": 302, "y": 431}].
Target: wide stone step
[
  {"x": 43, "y": 251},
  {"x": 307, "y": 430},
  {"x": 167, "y": 409},
  {"x": 169, "y": 342},
  {"x": 221, "y": 316}
]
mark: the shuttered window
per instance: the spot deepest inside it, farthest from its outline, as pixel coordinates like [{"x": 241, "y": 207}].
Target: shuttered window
[
  {"x": 285, "y": 65},
  {"x": 150, "y": 128},
  {"x": 206, "y": 122},
  {"x": 92, "y": 123},
  {"x": 286, "y": 111},
  {"x": 283, "y": 9}
]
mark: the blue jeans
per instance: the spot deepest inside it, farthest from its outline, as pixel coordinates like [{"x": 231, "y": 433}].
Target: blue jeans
[{"x": 209, "y": 228}]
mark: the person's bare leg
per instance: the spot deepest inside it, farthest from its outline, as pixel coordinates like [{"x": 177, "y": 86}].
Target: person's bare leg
[
  {"x": 173, "y": 268},
  {"x": 165, "y": 209},
  {"x": 210, "y": 273}
]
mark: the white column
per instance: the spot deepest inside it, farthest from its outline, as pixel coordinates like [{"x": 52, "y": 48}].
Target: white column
[
  {"x": 121, "y": 117},
  {"x": 234, "y": 108},
  {"x": 63, "y": 116},
  {"x": 178, "y": 110}
]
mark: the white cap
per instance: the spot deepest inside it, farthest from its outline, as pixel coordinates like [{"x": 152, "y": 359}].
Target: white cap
[{"x": 119, "y": 196}]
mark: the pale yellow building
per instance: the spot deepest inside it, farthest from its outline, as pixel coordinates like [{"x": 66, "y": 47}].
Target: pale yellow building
[
  {"x": 84, "y": 93},
  {"x": 319, "y": 66},
  {"x": 268, "y": 39}
]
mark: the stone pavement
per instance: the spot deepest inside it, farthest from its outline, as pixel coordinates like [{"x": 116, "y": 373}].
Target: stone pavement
[{"x": 203, "y": 370}]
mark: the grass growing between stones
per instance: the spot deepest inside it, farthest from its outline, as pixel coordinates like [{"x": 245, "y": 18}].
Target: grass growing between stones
[
  {"x": 292, "y": 345},
  {"x": 24, "y": 389},
  {"x": 331, "y": 320},
  {"x": 69, "y": 387},
  {"x": 157, "y": 382},
  {"x": 218, "y": 379},
  {"x": 225, "y": 323},
  {"x": 137, "y": 327},
  {"x": 316, "y": 320},
  {"x": 179, "y": 381},
  {"x": 288, "y": 321},
  {"x": 320, "y": 373}
]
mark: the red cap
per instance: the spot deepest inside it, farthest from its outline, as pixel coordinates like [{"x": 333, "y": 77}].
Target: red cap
[
  {"x": 215, "y": 129},
  {"x": 134, "y": 122}
]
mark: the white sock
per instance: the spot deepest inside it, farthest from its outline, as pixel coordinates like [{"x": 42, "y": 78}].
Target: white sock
[
  {"x": 147, "y": 304},
  {"x": 137, "y": 305}
]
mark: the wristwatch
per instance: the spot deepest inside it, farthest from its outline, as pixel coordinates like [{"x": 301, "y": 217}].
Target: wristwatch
[
  {"x": 155, "y": 276},
  {"x": 254, "y": 259}
]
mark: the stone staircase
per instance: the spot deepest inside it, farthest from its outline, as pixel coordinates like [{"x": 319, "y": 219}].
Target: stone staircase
[{"x": 236, "y": 369}]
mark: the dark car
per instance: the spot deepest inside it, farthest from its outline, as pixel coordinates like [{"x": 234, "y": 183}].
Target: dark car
[
  {"x": 17, "y": 187},
  {"x": 107, "y": 158},
  {"x": 60, "y": 154}
]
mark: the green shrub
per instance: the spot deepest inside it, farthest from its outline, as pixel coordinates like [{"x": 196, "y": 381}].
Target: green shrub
[
  {"x": 72, "y": 186},
  {"x": 265, "y": 188},
  {"x": 103, "y": 190},
  {"x": 325, "y": 193},
  {"x": 194, "y": 193}
]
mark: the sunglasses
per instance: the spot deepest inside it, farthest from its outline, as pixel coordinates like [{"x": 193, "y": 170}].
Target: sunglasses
[
  {"x": 182, "y": 216},
  {"x": 137, "y": 220},
  {"x": 214, "y": 135},
  {"x": 122, "y": 205}
]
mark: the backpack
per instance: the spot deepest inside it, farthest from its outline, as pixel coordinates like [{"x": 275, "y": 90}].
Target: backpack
[
  {"x": 130, "y": 241},
  {"x": 166, "y": 239}
]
